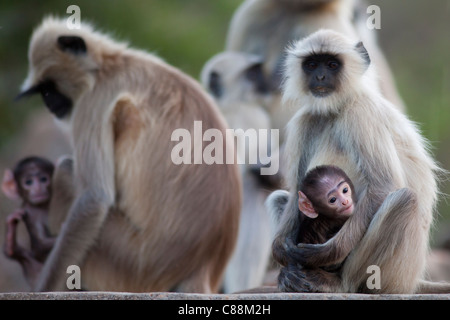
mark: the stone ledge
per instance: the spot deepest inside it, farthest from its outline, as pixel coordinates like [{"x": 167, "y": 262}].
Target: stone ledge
[{"x": 194, "y": 296}]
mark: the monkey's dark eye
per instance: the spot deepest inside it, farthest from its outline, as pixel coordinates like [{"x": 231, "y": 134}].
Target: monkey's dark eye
[
  {"x": 345, "y": 190},
  {"x": 28, "y": 182},
  {"x": 333, "y": 200},
  {"x": 333, "y": 64},
  {"x": 43, "y": 179},
  {"x": 310, "y": 65}
]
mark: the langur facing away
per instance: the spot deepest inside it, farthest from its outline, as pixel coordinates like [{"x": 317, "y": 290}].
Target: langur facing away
[{"x": 120, "y": 107}]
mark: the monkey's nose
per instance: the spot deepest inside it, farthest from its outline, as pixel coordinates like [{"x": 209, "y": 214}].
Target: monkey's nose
[
  {"x": 320, "y": 78},
  {"x": 345, "y": 202}
]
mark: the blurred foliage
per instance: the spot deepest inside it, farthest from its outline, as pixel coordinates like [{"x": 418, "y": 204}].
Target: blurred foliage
[
  {"x": 186, "y": 33},
  {"x": 415, "y": 38}
]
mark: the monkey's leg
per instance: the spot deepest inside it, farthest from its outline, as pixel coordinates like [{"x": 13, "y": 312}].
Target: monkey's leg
[
  {"x": 297, "y": 279},
  {"x": 277, "y": 203},
  {"x": 30, "y": 266},
  {"x": 395, "y": 242},
  {"x": 248, "y": 264},
  {"x": 200, "y": 281},
  {"x": 79, "y": 232},
  {"x": 432, "y": 287},
  {"x": 63, "y": 193}
]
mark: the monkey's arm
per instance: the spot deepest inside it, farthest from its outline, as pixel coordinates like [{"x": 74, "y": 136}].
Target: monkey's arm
[
  {"x": 30, "y": 266},
  {"x": 283, "y": 247},
  {"x": 78, "y": 234},
  {"x": 294, "y": 278},
  {"x": 12, "y": 249},
  {"x": 63, "y": 193},
  {"x": 41, "y": 242},
  {"x": 94, "y": 176}
]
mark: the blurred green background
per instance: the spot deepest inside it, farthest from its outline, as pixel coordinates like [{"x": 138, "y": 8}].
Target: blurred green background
[{"x": 186, "y": 33}]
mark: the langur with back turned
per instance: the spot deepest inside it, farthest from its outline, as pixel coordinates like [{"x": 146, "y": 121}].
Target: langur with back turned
[{"x": 120, "y": 107}]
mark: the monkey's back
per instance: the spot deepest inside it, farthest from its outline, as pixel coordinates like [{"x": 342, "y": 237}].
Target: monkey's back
[{"x": 177, "y": 220}]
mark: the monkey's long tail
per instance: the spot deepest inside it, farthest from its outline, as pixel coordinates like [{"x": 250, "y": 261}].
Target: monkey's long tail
[{"x": 433, "y": 287}]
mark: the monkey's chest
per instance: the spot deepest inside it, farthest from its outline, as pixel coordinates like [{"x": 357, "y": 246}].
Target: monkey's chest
[{"x": 326, "y": 151}]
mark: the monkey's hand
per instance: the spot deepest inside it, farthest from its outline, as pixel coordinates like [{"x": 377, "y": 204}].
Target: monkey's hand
[
  {"x": 293, "y": 279},
  {"x": 295, "y": 254},
  {"x": 305, "y": 253},
  {"x": 318, "y": 255},
  {"x": 284, "y": 251},
  {"x": 15, "y": 217}
]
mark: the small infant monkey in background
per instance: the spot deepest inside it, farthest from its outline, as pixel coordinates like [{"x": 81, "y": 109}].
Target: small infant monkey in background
[
  {"x": 326, "y": 197},
  {"x": 30, "y": 181}
]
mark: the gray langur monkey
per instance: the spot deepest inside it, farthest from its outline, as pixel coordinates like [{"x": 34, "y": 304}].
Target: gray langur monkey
[
  {"x": 236, "y": 82},
  {"x": 138, "y": 221},
  {"x": 266, "y": 27},
  {"x": 342, "y": 119}
]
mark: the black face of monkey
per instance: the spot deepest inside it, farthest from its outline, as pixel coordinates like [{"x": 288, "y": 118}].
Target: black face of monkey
[
  {"x": 56, "y": 102},
  {"x": 253, "y": 74},
  {"x": 215, "y": 84},
  {"x": 322, "y": 73}
]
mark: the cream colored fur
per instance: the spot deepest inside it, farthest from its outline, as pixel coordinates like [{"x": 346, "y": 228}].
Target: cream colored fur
[
  {"x": 138, "y": 222},
  {"x": 382, "y": 152}
]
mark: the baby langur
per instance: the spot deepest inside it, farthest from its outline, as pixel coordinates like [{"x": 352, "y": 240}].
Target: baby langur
[
  {"x": 326, "y": 198},
  {"x": 30, "y": 181}
]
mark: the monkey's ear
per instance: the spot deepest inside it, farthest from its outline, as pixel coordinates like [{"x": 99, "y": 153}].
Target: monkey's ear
[
  {"x": 9, "y": 186},
  {"x": 73, "y": 44},
  {"x": 305, "y": 206},
  {"x": 363, "y": 52}
]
